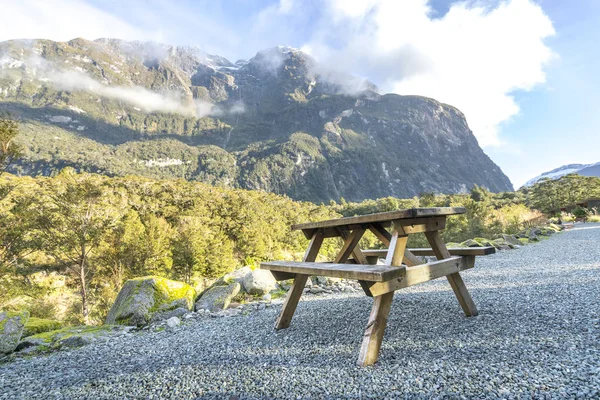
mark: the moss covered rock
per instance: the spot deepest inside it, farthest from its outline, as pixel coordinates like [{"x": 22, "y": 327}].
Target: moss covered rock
[
  {"x": 76, "y": 336},
  {"x": 484, "y": 242},
  {"x": 141, "y": 298},
  {"x": 12, "y": 325},
  {"x": 511, "y": 240},
  {"x": 471, "y": 243},
  {"x": 38, "y": 325}
]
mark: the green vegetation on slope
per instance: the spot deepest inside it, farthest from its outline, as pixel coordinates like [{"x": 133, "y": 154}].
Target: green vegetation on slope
[{"x": 69, "y": 242}]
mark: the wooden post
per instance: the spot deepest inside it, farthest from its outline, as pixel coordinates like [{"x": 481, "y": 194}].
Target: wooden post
[
  {"x": 295, "y": 292},
  {"x": 455, "y": 280},
  {"x": 369, "y": 350}
]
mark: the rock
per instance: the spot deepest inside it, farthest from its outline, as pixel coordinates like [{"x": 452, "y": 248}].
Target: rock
[
  {"x": 163, "y": 315},
  {"x": 28, "y": 343},
  {"x": 501, "y": 244},
  {"x": 12, "y": 325},
  {"x": 454, "y": 245},
  {"x": 484, "y": 242},
  {"x": 555, "y": 227},
  {"x": 76, "y": 341},
  {"x": 217, "y": 298},
  {"x": 35, "y": 325},
  {"x": 286, "y": 285},
  {"x": 330, "y": 281},
  {"x": 234, "y": 305},
  {"x": 511, "y": 240},
  {"x": 320, "y": 280},
  {"x": 308, "y": 282},
  {"x": 267, "y": 297},
  {"x": 259, "y": 282},
  {"x": 471, "y": 243},
  {"x": 533, "y": 235},
  {"x": 141, "y": 298},
  {"x": 237, "y": 275},
  {"x": 173, "y": 322},
  {"x": 69, "y": 337}
]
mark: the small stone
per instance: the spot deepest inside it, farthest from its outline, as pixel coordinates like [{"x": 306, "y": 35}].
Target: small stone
[
  {"x": 173, "y": 322},
  {"x": 267, "y": 297}
]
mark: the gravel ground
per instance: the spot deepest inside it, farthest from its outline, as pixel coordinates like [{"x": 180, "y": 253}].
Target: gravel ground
[{"x": 537, "y": 336}]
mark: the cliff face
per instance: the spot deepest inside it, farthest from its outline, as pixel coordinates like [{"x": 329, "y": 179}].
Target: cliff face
[{"x": 277, "y": 122}]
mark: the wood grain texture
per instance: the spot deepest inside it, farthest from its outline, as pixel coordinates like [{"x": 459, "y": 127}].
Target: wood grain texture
[
  {"x": 456, "y": 282},
  {"x": 373, "y": 273},
  {"x": 421, "y": 273},
  {"x": 470, "y": 251},
  {"x": 359, "y": 257},
  {"x": 295, "y": 292},
  {"x": 397, "y": 247},
  {"x": 383, "y": 217},
  {"x": 373, "y": 336}
]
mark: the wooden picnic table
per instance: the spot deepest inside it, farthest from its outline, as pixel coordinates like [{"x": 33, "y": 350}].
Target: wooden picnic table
[{"x": 402, "y": 267}]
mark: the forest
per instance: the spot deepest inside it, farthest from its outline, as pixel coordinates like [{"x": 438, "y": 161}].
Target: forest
[{"x": 68, "y": 242}]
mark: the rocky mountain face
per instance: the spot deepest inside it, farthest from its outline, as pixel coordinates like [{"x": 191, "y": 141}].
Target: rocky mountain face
[
  {"x": 581, "y": 169},
  {"x": 278, "y": 122}
]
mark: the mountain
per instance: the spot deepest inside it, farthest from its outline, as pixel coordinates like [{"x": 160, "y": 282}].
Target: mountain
[
  {"x": 278, "y": 122},
  {"x": 581, "y": 169}
]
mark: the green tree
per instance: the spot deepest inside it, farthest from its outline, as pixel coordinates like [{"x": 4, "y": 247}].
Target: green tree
[
  {"x": 9, "y": 150},
  {"x": 74, "y": 216}
]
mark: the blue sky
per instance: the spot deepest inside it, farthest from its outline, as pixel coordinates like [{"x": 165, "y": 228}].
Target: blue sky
[{"x": 524, "y": 72}]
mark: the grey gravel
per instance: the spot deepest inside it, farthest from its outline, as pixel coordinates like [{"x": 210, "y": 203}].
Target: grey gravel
[{"x": 537, "y": 336}]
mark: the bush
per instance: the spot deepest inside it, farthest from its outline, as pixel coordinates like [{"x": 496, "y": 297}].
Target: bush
[{"x": 594, "y": 218}]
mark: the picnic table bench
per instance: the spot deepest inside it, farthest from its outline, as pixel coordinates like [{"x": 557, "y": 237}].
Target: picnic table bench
[{"x": 402, "y": 267}]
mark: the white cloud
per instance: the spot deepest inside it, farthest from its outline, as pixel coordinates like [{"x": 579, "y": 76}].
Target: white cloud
[
  {"x": 138, "y": 96},
  {"x": 62, "y": 20},
  {"x": 474, "y": 57}
]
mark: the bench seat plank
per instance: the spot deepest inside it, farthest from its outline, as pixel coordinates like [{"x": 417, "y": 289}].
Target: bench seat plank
[
  {"x": 457, "y": 251},
  {"x": 372, "y": 273}
]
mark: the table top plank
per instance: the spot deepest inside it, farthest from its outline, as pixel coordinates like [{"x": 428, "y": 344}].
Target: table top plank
[{"x": 383, "y": 217}]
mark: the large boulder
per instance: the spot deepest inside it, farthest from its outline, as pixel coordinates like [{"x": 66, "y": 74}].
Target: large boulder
[
  {"x": 259, "y": 282},
  {"x": 217, "y": 298},
  {"x": 39, "y": 325},
  {"x": 237, "y": 276},
  {"x": 12, "y": 325},
  {"x": 143, "y": 299}
]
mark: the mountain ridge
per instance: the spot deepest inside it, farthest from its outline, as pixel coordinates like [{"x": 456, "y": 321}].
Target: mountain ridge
[
  {"x": 279, "y": 122},
  {"x": 581, "y": 169}
]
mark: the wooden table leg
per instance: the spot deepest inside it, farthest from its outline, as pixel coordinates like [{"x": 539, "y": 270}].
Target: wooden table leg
[
  {"x": 291, "y": 301},
  {"x": 295, "y": 292},
  {"x": 455, "y": 280},
  {"x": 369, "y": 351}
]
